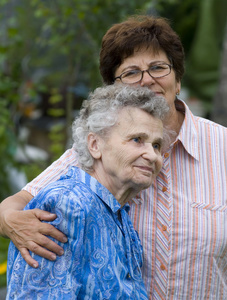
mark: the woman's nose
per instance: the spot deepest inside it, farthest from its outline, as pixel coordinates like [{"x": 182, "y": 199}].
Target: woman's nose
[
  {"x": 147, "y": 79},
  {"x": 149, "y": 153}
]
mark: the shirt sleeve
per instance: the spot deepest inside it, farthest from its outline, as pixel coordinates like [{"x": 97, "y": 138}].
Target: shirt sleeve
[{"x": 53, "y": 172}]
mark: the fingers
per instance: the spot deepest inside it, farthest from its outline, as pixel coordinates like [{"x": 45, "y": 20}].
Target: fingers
[
  {"x": 35, "y": 248},
  {"x": 27, "y": 257},
  {"x": 43, "y": 246},
  {"x": 39, "y": 247},
  {"x": 44, "y": 215},
  {"x": 27, "y": 232},
  {"x": 48, "y": 229}
]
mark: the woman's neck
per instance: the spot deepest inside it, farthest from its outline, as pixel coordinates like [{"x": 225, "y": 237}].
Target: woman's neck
[
  {"x": 123, "y": 193},
  {"x": 174, "y": 122},
  {"x": 123, "y": 196}
]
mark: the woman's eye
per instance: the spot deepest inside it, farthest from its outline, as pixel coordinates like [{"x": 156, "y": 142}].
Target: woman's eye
[
  {"x": 131, "y": 73},
  {"x": 137, "y": 140},
  {"x": 157, "y": 147},
  {"x": 158, "y": 67}
]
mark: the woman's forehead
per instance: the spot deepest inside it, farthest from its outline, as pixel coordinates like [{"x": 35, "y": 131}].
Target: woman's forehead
[
  {"x": 143, "y": 56},
  {"x": 147, "y": 53}
]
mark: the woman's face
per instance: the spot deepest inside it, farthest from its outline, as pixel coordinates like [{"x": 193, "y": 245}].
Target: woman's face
[
  {"x": 130, "y": 157},
  {"x": 142, "y": 59}
]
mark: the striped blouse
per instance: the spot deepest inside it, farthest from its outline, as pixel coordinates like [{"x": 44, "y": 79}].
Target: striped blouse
[{"x": 182, "y": 218}]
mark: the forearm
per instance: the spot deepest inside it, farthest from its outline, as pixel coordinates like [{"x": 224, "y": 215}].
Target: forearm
[{"x": 15, "y": 202}]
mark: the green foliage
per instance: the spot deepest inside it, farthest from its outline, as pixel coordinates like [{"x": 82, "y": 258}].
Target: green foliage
[
  {"x": 3, "y": 256},
  {"x": 33, "y": 169},
  {"x": 183, "y": 15},
  {"x": 50, "y": 45},
  {"x": 7, "y": 132}
]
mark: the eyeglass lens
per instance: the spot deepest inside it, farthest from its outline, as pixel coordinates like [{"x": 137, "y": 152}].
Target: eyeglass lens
[{"x": 156, "y": 71}]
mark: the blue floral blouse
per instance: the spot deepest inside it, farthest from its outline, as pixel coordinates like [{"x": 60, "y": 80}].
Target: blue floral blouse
[{"x": 103, "y": 255}]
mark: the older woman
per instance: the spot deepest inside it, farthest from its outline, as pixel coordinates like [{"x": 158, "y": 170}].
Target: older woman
[
  {"x": 119, "y": 134},
  {"x": 181, "y": 219}
]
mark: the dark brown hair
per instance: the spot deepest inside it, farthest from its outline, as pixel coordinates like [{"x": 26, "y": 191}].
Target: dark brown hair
[{"x": 122, "y": 39}]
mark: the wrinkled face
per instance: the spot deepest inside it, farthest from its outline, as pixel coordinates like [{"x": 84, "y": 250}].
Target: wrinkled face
[
  {"x": 131, "y": 155},
  {"x": 144, "y": 58}
]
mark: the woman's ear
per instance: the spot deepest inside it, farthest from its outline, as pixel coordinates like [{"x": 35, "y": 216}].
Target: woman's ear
[
  {"x": 178, "y": 88},
  {"x": 93, "y": 142}
]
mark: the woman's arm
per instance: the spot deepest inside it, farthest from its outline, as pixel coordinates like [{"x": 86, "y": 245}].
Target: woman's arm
[{"x": 26, "y": 230}]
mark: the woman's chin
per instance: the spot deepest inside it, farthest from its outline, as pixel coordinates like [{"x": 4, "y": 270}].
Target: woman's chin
[{"x": 143, "y": 183}]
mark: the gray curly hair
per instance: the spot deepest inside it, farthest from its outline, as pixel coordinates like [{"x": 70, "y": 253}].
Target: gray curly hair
[{"x": 100, "y": 112}]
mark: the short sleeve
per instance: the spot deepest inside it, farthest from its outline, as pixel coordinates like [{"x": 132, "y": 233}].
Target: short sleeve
[{"x": 53, "y": 172}]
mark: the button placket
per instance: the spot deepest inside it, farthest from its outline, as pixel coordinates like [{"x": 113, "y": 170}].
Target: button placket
[{"x": 164, "y": 215}]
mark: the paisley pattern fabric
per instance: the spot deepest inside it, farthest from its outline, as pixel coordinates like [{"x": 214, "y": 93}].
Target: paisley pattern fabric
[{"x": 103, "y": 255}]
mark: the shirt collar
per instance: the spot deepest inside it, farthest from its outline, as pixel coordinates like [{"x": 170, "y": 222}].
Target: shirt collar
[
  {"x": 101, "y": 191},
  {"x": 188, "y": 134}
]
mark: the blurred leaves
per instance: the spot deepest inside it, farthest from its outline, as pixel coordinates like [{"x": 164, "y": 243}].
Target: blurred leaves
[
  {"x": 3, "y": 256},
  {"x": 183, "y": 15},
  {"x": 55, "y": 44},
  {"x": 46, "y": 45},
  {"x": 3, "y": 267},
  {"x": 8, "y": 100}
]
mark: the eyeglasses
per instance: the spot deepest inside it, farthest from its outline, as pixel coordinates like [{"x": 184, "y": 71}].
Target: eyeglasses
[{"x": 155, "y": 71}]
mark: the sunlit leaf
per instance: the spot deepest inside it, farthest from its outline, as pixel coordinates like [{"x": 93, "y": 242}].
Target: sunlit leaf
[{"x": 3, "y": 267}]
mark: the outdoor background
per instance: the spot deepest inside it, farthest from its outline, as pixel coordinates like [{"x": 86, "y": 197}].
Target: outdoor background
[{"x": 49, "y": 57}]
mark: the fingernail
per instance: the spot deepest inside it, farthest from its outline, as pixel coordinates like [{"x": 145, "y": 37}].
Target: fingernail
[
  {"x": 61, "y": 252},
  {"x": 53, "y": 257},
  {"x": 64, "y": 239},
  {"x": 35, "y": 266}
]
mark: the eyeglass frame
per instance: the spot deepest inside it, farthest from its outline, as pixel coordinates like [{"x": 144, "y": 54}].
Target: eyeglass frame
[{"x": 147, "y": 70}]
